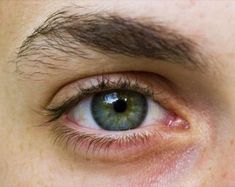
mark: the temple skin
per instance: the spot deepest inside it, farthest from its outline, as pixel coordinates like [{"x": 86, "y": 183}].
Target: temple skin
[{"x": 28, "y": 156}]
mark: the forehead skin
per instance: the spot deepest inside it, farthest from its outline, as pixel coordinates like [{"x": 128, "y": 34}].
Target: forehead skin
[{"x": 211, "y": 25}]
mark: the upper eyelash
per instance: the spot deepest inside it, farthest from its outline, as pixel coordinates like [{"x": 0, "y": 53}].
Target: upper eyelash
[{"x": 104, "y": 83}]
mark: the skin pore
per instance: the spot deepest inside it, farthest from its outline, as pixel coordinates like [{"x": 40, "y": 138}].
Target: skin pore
[{"x": 189, "y": 54}]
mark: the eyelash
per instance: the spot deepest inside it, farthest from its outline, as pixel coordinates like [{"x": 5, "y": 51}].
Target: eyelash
[
  {"x": 104, "y": 84},
  {"x": 91, "y": 142},
  {"x": 95, "y": 143}
]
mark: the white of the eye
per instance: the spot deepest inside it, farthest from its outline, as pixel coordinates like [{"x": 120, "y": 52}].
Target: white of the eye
[
  {"x": 156, "y": 113},
  {"x": 81, "y": 114}
]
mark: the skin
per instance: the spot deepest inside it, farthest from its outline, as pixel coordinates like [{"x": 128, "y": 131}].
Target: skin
[{"x": 28, "y": 156}]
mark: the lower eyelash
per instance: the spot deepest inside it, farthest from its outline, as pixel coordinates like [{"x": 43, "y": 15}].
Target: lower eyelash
[
  {"x": 93, "y": 143},
  {"x": 74, "y": 138}
]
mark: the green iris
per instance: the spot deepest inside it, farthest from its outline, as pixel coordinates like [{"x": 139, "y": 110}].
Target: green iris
[{"x": 119, "y": 110}]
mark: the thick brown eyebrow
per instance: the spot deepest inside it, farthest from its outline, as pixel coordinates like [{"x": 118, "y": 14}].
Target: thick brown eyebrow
[{"x": 66, "y": 32}]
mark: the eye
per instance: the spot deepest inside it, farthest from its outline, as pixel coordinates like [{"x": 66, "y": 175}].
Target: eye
[
  {"x": 118, "y": 116},
  {"x": 117, "y": 110}
]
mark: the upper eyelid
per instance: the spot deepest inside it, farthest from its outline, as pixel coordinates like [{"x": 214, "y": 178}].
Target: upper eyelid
[{"x": 104, "y": 84}]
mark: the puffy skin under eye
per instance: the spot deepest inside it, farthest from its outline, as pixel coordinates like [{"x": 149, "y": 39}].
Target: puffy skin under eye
[{"x": 117, "y": 110}]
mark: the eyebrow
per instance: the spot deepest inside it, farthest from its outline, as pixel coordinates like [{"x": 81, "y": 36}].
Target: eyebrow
[{"x": 65, "y": 31}]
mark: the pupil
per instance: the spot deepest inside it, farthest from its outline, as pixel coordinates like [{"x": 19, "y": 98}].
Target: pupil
[{"x": 120, "y": 105}]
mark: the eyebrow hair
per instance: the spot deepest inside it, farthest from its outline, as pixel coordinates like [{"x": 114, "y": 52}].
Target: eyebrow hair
[{"x": 67, "y": 30}]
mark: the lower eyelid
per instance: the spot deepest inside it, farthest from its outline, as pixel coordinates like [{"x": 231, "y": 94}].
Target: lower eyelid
[{"x": 115, "y": 146}]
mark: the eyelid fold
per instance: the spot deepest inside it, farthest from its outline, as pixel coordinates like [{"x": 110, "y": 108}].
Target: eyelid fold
[{"x": 153, "y": 87}]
